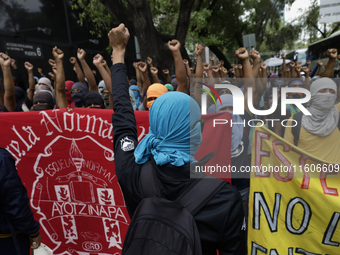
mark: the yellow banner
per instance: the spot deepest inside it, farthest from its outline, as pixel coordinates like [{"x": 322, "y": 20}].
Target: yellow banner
[{"x": 294, "y": 204}]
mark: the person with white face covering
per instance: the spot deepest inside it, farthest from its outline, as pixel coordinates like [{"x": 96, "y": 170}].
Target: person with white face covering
[{"x": 320, "y": 134}]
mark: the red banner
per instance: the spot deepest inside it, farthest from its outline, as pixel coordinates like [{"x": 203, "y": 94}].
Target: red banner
[{"x": 66, "y": 161}]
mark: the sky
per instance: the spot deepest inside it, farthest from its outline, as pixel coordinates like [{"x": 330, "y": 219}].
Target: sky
[{"x": 294, "y": 9}]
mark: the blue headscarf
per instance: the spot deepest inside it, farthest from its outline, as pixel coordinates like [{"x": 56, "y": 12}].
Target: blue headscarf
[
  {"x": 136, "y": 93},
  {"x": 174, "y": 135}
]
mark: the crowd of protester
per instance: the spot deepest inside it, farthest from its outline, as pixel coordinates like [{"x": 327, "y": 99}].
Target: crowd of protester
[{"x": 319, "y": 134}]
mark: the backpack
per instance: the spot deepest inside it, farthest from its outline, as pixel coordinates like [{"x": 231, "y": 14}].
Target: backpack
[
  {"x": 296, "y": 130},
  {"x": 161, "y": 226}
]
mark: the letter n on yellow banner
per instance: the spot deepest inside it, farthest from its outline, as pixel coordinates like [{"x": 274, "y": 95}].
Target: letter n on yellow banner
[{"x": 294, "y": 205}]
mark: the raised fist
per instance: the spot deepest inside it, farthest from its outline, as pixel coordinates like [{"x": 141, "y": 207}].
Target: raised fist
[
  {"x": 239, "y": 66},
  {"x": 13, "y": 63},
  {"x": 135, "y": 64},
  {"x": 81, "y": 54},
  {"x": 166, "y": 71},
  {"x": 263, "y": 66},
  {"x": 298, "y": 63},
  {"x": 283, "y": 55},
  {"x": 332, "y": 53},
  {"x": 28, "y": 66},
  {"x": 73, "y": 60},
  {"x": 119, "y": 37},
  {"x": 51, "y": 75},
  {"x": 40, "y": 70},
  {"x": 292, "y": 64},
  {"x": 319, "y": 63},
  {"x": 5, "y": 60},
  {"x": 98, "y": 59},
  {"x": 154, "y": 70},
  {"x": 212, "y": 59},
  {"x": 308, "y": 62},
  {"x": 206, "y": 67},
  {"x": 174, "y": 45},
  {"x": 254, "y": 54},
  {"x": 57, "y": 53},
  {"x": 149, "y": 60},
  {"x": 305, "y": 69},
  {"x": 185, "y": 62},
  {"x": 142, "y": 66},
  {"x": 215, "y": 69},
  {"x": 224, "y": 70},
  {"x": 199, "y": 49},
  {"x": 52, "y": 62},
  {"x": 241, "y": 53}
]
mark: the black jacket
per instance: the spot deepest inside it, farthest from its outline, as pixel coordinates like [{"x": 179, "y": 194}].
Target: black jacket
[
  {"x": 14, "y": 200},
  {"x": 220, "y": 222}
]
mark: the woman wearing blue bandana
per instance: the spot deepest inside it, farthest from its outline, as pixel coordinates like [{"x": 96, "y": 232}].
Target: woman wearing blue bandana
[
  {"x": 136, "y": 92},
  {"x": 174, "y": 126}
]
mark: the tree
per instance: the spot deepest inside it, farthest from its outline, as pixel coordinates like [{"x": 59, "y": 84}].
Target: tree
[
  {"x": 310, "y": 19},
  {"x": 219, "y": 24},
  {"x": 137, "y": 16}
]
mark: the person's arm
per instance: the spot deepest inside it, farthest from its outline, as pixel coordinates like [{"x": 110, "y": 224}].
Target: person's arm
[
  {"x": 138, "y": 76},
  {"x": 123, "y": 118},
  {"x": 284, "y": 66},
  {"x": 216, "y": 72},
  {"x": 18, "y": 76},
  {"x": 144, "y": 68},
  {"x": 77, "y": 69},
  {"x": 167, "y": 73},
  {"x": 319, "y": 72},
  {"x": 14, "y": 199},
  {"x": 149, "y": 61},
  {"x": 255, "y": 56},
  {"x": 40, "y": 71},
  {"x": 106, "y": 68},
  {"x": 31, "y": 81},
  {"x": 223, "y": 73},
  {"x": 307, "y": 80},
  {"x": 61, "y": 98},
  {"x": 187, "y": 68},
  {"x": 154, "y": 74},
  {"x": 308, "y": 62},
  {"x": 292, "y": 68},
  {"x": 1, "y": 95},
  {"x": 298, "y": 72},
  {"x": 213, "y": 62},
  {"x": 181, "y": 76},
  {"x": 199, "y": 67},
  {"x": 98, "y": 62},
  {"x": 288, "y": 73},
  {"x": 249, "y": 81},
  {"x": 329, "y": 70},
  {"x": 9, "y": 97},
  {"x": 87, "y": 71},
  {"x": 206, "y": 68},
  {"x": 240, "y": 68}
]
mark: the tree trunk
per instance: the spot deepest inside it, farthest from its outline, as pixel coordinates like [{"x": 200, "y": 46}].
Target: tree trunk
[{"x": 137, "y": 17}]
